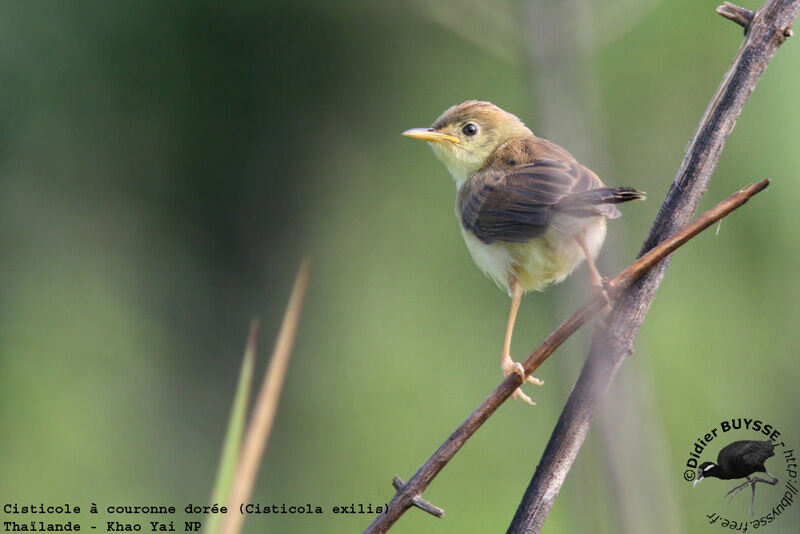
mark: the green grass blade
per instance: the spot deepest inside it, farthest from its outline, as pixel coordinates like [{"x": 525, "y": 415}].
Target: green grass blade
[{"x": 232, "y": 445}]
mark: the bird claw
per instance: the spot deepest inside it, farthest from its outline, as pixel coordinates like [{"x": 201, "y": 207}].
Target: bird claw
[
  {"x": 517, "y": 368},
  {"x": 509, "y": 366},
  {"x": 518, "y": 393},
  {"x": 535, "y": 381}
]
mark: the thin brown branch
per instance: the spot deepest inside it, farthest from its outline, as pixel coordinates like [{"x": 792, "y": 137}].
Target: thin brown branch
[
  {"x": 612, "y": 344},
  {"x": 404, "y": 498},
  {"x": 266, "y": 405}
]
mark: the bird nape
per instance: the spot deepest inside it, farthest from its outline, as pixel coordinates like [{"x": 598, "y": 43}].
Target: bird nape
[
  {"x": 740, "y": 459},
  {"x": 529, "y": 212}
]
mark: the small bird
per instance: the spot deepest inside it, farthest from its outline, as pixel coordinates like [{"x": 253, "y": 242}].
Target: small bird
[
  {"x": 529, "y": 212},
  {"x": 737, "y": 460}
]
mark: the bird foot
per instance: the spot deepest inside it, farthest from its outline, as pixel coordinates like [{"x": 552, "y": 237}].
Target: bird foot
[{"x": 509, "y": 366}]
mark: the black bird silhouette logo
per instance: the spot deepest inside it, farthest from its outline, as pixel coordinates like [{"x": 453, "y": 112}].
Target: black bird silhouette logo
[{"x": 740, "y": 459}]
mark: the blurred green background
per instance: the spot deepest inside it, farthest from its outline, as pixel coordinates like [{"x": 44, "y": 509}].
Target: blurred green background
[{"x": 165, "y": 165}]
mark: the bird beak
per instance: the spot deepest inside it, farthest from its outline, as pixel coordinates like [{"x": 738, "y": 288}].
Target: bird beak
[
  {"x": 431, "y": 135},
  {"x": 696, "y": 482}
]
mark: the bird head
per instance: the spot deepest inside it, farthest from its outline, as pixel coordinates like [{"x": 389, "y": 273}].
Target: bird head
[
  {"x": 705, "y": 469},
  {"x": 464, "y": 136}
]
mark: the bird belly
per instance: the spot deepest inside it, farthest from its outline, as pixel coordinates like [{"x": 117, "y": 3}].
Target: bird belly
[
  {"x": 541, "y": 261},
  {"x": 494, "y": 259}
]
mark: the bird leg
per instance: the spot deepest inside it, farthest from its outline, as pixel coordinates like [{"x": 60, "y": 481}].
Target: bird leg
[
  {"x": 507, "y": 364},
  {"x": 735, "y": 491},
  {"x": 595, "y": 279},
  {"x": 753, "y": 487},
  {"x": 752, "y": 483},
  {"x": 751, "y": 480}
]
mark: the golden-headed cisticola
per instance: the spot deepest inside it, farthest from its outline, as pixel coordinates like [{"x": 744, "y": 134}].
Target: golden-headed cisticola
[{"x": 529, "y": 212}]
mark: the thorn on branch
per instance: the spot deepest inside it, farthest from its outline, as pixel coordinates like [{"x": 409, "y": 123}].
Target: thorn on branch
[
  {"x": 418, "y": 501},
  {"x": 741, "y": 16}
]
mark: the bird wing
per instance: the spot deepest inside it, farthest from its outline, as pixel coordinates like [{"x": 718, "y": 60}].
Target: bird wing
[
  {"x": 745, "y": 455},
  {"x": 516, "y": 204},
  {"x": 758, "y": 452}
]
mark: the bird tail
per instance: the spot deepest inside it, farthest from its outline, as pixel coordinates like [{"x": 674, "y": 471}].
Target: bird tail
[{"x": 599, "y": 201}]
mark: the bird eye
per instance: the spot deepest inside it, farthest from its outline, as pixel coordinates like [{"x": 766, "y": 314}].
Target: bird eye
[{"x": 469, "y": 129}]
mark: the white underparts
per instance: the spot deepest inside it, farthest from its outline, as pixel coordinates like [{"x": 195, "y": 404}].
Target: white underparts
[{"x": 541, "y": 261}]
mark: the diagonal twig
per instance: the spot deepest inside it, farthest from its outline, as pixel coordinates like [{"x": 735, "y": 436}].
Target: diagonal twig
[
  {"x": 767, "y": 29},
  {"x": 404, "y": 498}
]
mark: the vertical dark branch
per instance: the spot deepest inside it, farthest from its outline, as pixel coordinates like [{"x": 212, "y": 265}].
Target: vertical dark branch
[
  {"x": 767, "y": 30},
  {"x": 562, "y": 35}
]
